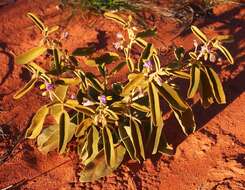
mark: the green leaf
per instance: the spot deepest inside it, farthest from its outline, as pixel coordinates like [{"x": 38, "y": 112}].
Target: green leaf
[
  {"x": 57, "y": 62},
  {"x": 205, "y": 90},
  {"x": 115, "y": 18},
  {"x": 55, "y": 110},
  {"x": 91, "y": 63},
  {"x": 36, "y": 67},
  {"x": 118, "y": 67},
  {"x": 147, "y": 33},
  {"x": 109, "y": 149},
  {"x": 130, "y": 64},
  {"x": 94, "y": 82},
  {"x": 164, "y": 147},
  {"x": 224, "y": 51},
  {"x": 137, "y": 139},
  {"x": 140, "y": 107},
  {"x": 194, "y": 81},
  {"x": 60, "y": 91},
  {"x": 216, "y": 85},
  {"x": 28, "y": 86},
  {"x": 53, "y": 29},
  {"x": 83, "y": 127},
  {"x": 92, "y": 145},
  {"x": 171, "y": 96},
  {"x": 133, "y": 84},
  {"x": 180, "y": 74},
  {"x": 85, "y": 51},
  {"x": 37, "y": 123},
  {"x": 99, "y": 168},
  {"x": 154, "y": 101},
  {"x": 30, "y": 55},
  {"x": 199, "y": 34},
  {"x": 36, "y": 21},
  {"x": 126, "y": 139},
  {"x": 156, "y": 61},
  {"x": 107, "y": 58},
  {"x": 224, "y": 38},
  {"x": 140, "y": 42},
  {"x": 186, "y": 120},
  {"x": 64, "y": 125},
  {"x": 83, "y": 109},
  {"x": 48, "y": 140},
  {"x": 112, "y": 115},
  {"x": 157, "y": 139}
]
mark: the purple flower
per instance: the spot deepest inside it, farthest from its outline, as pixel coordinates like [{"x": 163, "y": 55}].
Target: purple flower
[
  {"x": 119, "y": 35},
  {"x": 73, "y": 97},
  {"x": 148, "y": 64},
  {"x": 49, "y": 86},
  {"x": 103, "y": 99}
]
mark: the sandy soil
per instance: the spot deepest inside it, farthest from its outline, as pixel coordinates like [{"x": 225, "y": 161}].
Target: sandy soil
[{"x": 213, "y": 158}]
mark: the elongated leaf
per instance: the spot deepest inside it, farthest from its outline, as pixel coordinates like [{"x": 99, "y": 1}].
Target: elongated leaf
[
  {"x": 36, "y": 21},
  {"x": 36, "y": 67},
  {"x": 199, "y": 34},
  {"x": 55, "y": 110},
  {"x": 154, "y": 101},
  {"x": 224, "y": 38},
  {"x": 64, "y": 127},
  {"x": 107, "y": 58},
  {"x": 109, "y": 149},
  {"x": 92, "y": 145},
  {"x": 132, "y": 84},
  {"x": 37, "y": 123},
  {"x": 217, "y": 87},
  {"x": 28, "y": 86},
  {"x": 156, "y": 61},
  {"x": 53, "y": 29},
  {"x": 194, "y": 81},
  {"x": 48, "y": 140},
  {"x": 164, "y": 147},
  {"x": 171, "y": 96},
  {"x": 147, "y": 33},
  {"x": 157, "y": 139},
  {"x": 127, "y": 142},
  {"x": 186, "y": 120},
  {"x": 140, "y": 107},
  {"x": 99, "y": 168},
  {"x": 137, "y": 138},
  {"x": 130, "y": 64},
  {"x": 181, "y": 74},
  {"x": 94, "y": 82},
  {"x": 205, "y": 90},
  {"x": 85, "y": 51},
  {"x": 140, "y": 42},
  {"x": 112, "y": 115},
  {"x": 86, "y": 110},
  {"x": 224, "y": 51},
  {"x": 116, "y": 18},
  {"x": 30, "y": 55},
  {"x": 83, "y": 127},
  {"x": 60, "y": 91},
  {"x": 57, "y": 62},
  {"x": 118, "y": 67}
]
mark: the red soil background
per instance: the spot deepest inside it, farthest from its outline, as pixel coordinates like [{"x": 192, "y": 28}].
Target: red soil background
[{"x": 211, "y": 158}]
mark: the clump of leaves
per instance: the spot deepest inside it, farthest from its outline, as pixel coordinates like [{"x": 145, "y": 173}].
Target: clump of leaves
[
  {"x": 98, "y": 5},
  {"x": 125, "y": 118}
]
